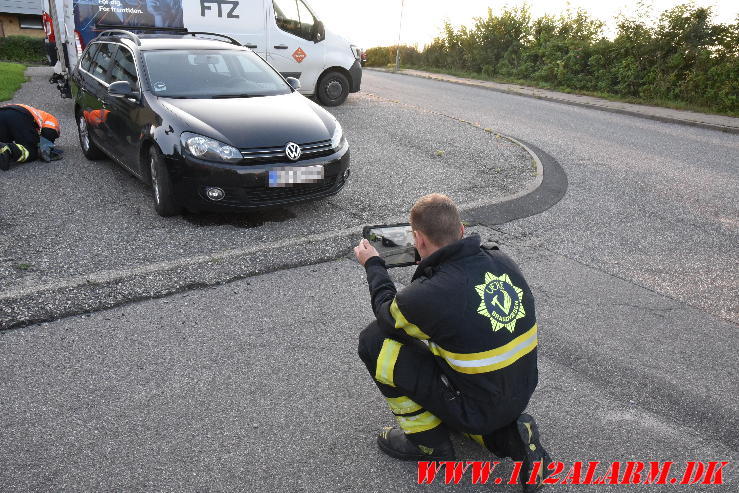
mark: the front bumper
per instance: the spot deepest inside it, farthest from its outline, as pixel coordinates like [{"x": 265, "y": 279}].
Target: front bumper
[
  {"x": 245, "y": 186},
  {"x": 356, "y": 73}
]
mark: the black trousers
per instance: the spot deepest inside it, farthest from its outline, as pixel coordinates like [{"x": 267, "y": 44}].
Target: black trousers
[
  {"x": 423, "y": 402},
  {"x": 17, "y": 126}
]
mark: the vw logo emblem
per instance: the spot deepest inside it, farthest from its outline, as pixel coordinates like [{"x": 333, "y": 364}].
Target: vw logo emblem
[{"x": 293, "y": 151}]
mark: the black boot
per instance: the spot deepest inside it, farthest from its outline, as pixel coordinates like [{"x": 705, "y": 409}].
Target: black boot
[
  {"x": 530, "y": 451},
  {"x": 395, "y": 443}
]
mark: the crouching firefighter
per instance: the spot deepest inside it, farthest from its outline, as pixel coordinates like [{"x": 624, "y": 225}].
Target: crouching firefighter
[
  {"x": 456, "y": 349},
  {"x": 26, "y": 133}
]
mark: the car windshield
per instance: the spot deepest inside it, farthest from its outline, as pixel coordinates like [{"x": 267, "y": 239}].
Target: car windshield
[{"x": 201, "y": 74}]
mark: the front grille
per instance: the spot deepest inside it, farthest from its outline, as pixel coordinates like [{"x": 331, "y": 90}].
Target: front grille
[
  {"x": 258, "y": 196},
  {"x": 310, "y": 150}
]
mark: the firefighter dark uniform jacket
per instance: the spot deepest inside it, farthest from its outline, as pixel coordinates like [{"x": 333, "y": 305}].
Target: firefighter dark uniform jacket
[
  {"x": 46, "y": 123},
  {"x": 476, "y": 312}
]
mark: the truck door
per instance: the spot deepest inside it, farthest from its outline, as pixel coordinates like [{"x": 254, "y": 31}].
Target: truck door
[
  {"x": 243, "y": 20},
  {"x": 291, "y": 47}
]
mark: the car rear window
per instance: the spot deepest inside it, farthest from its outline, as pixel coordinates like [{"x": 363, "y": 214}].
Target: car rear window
[{"x": 211, "y": 74}]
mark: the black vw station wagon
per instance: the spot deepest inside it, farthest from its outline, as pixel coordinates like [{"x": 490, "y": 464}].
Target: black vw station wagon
[{"x": 207, "y": 122}]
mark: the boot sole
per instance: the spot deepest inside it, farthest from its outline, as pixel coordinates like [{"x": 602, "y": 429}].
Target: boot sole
[
  {"x": 381, "y": 444},
  {"x": 529, "y": 433}
]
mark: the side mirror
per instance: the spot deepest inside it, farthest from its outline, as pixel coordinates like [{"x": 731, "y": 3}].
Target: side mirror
[
  {"x": 294, "y": 83},
  {"x": 319, "y": 32},
  {"x": 121, "y": 89},
  {"x": 394, "y": 243}
]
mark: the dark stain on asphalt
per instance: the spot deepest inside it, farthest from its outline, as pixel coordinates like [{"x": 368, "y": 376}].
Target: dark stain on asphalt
[{"x": 243, "y": 220}]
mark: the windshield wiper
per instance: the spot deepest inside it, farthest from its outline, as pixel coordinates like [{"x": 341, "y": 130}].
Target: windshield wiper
[{"x": 226, "y": 96}]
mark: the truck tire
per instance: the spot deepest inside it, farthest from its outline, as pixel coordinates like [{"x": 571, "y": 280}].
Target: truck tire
[
  {"x": 333, "y": 88},
  {"x": 89, "y": 149},
  {"x": 164, "y": 202}
]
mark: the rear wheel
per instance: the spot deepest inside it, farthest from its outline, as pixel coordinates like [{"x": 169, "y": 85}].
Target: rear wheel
[
  {"x": 164, "y": 202},
  {"x": 89, "y": 149},
  {"x": 333, "y": 88}
]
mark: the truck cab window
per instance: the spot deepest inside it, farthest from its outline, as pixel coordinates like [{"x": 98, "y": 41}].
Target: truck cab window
[
  {"x": 295, "y": 17},
  {"x": 124, "y": 67}
]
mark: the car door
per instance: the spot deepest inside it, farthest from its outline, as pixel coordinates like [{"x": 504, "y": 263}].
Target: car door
[
  {"x": 94, "y": 107},
  {"x": 126, "y": 115},
  {"x": 291, "y": 48}
]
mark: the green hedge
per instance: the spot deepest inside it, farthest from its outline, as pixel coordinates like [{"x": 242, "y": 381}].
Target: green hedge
[
  {"x": 385, "y": 55},
  {"x": 682, "y": 58},
  {"x": 22, "y": 49}
]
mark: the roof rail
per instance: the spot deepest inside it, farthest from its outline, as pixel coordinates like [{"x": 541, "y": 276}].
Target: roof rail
[
  {"x": 117, "y": 31},
  {"x": 122, "y": 33},
  {"x": 229, "y": 38}
]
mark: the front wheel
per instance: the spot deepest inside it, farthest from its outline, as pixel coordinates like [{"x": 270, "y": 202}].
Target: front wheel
[
  {"x": 163, "y": 200},
  {"x": 89, "y": 149},
  {"x": 333, "y": 88}
]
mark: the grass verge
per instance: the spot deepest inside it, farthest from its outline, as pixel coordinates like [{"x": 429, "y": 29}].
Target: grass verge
[
  {"x": 11, "y": 79},
  {"x": 677, "y": 105}
]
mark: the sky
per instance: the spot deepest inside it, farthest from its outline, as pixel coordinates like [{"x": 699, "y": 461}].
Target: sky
[{"x": 369, "y": 23}]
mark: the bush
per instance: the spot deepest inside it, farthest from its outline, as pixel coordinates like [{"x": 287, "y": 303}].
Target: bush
[
  {"x": 22, "y": 49},
  {"x": 683, "y": 58},
  {"x": 385, "y": 55}
]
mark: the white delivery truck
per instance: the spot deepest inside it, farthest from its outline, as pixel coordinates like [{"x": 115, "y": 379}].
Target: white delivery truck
[{"x": 286, "y": 33}]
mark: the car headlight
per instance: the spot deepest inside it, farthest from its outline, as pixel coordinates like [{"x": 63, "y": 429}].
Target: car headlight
[
  {"x": 336, "y": 137},
  {"x": 356, "y": 51},
  {"x": 209, "y": 149}
]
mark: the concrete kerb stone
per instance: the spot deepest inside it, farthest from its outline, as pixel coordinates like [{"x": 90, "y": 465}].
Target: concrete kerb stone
[
  {"x": 105, "y": 289},
  {"x": 572, "y": 102}
]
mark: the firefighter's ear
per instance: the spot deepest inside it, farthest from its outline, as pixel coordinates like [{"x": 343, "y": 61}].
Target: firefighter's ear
[{"x": 461, "y": 231}]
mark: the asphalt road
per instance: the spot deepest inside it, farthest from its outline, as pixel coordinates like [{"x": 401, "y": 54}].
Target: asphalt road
[
  {"x": 650, "y": 202},
  {"x": 255, "y": 385}
]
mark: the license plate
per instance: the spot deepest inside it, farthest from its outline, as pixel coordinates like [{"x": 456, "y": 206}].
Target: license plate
[{"x": 287, "y": 177}]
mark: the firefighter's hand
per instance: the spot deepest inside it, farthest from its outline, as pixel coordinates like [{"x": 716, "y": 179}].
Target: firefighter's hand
[{"x": 364, "y": 251}]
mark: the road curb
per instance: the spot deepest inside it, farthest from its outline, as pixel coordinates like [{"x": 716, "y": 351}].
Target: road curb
[
  {"x": 106, "y": 289},
  {"x": 481, "y": 85}
]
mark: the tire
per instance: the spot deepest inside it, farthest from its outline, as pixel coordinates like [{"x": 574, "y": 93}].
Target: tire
[
  {"x": 333, "y": 88},
  {"x": 89, "y": 149},
  {"x": 161, "y": 185}
]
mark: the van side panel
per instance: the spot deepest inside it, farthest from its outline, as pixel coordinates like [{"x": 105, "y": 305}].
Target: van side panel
[{"x": 243, "y": 20}]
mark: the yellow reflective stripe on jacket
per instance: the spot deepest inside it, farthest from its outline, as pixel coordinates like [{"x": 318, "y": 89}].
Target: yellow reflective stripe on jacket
[
  {"x": 418, "y": 423},
  {"x": 493, "y": 359},
  {"x": 402, "y": 405},
  {"x": 402, "y": 323},
  {"x": 386, "y": 361}
]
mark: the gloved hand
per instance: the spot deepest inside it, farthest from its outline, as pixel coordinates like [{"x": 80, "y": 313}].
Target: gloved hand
[{"x": 47, "y": 152}]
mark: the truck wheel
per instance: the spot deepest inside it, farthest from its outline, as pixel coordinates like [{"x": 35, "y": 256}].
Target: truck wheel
[
  {"x": 163, "y": 200},
  {"x": 89, "y": 149},
  {"x": 333, "y": 88}
]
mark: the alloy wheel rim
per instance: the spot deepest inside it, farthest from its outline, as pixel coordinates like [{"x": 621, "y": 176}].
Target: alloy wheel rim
[
  {"x": 84, "y": 137},
  {"x": 154, "y": 181}
]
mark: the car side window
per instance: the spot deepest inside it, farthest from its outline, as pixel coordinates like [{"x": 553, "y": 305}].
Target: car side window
[
  {"x": 87, "y": 59},
  {"x": 101, "y": 62},
  {"x": 123, "y": 67},
  {"x": 295, "y": 17}
]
